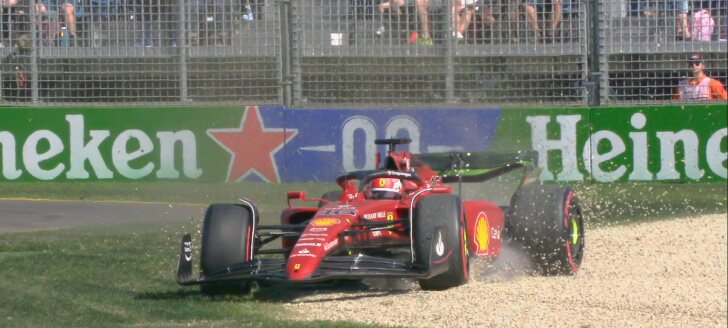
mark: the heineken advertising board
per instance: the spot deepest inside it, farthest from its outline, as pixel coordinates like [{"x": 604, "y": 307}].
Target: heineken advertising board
[{"x": 276, "y": 144}]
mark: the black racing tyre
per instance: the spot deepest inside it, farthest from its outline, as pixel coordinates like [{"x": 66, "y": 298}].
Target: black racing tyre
[
  {"x": 547, "y": 220},
  {"x": 438, "y": 229},
  {"x": 332, "y": 195},
  {"x": 227, "y": 235}
]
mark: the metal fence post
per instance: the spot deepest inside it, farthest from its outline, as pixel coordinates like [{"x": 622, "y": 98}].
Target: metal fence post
[
  {"x": 294, "y": 51},
  {"x": 450, "y": 44},
  {"x": 286, "y": 84},
  {"x": 182, "y": 48},
  {"x": 33, "y": 56},
  {"x": 595, "y": 51}
]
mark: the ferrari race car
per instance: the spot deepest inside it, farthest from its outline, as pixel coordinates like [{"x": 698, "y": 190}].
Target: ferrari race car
[{"x": 402, "y": 220}]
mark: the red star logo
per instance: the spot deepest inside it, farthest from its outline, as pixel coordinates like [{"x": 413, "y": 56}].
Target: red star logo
[{"x": 252, "y": 147}]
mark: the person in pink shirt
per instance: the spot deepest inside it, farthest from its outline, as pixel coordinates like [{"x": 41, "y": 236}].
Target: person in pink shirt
[{"x": 703, "y": 25}]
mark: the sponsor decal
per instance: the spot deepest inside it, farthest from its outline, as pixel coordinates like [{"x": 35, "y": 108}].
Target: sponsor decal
[
  {"x": 188, "y": 250},
  {"x": 302, "y": 255},
  {"x": 309, "y": 244},
  {"x": 325, "y": 222},
  {"x": 376, "y": 233},
  {"x": 309, "y": 234},
  {"x": 339, "y": 211},
  {"x": 315, "y": 229},
  {"x": 390, "y": 216},
  {"x": 440, "y": 247},
  {"x": 397, "y": 174},
  {"x": 495, "y": 233},
  {"x": 333, "y": 140},
  {"x": 303, "y": 252},
  {"x": 372, "y": 216},
  {"x": 312, "y": 239},
  {"x": 634, "y": 149},
  {"x": 296, "y": 266},
  {"x": 481, "y": 233},
  {"x": 331, "y": 245},
  {"x": 252, "y": 147},
  {"x": 84, "y": 153}
]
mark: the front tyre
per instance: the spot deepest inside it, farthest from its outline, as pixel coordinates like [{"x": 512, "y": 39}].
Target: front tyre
[
  {"x": 227, "y": 238},
  {"x": 439, "y": 241},
  {"x": 548, "y": 221}
]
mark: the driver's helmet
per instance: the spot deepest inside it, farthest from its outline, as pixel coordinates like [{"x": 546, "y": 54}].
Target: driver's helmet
[{"x": 384, "y": 188}]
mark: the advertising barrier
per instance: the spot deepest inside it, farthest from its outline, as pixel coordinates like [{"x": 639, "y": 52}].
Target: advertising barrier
[{"x": 276, "y": 144}]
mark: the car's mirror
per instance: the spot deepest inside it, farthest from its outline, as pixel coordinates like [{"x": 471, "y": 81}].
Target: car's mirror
[
  {"x": 296, "y": 195},
  {"x": 441, "y": 190}
]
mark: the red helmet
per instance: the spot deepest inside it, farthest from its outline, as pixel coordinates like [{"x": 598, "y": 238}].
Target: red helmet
[{"x": 384, "y": 188}]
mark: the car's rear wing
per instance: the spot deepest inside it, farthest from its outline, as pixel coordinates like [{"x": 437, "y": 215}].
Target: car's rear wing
[{"x": 481, "y": 166}]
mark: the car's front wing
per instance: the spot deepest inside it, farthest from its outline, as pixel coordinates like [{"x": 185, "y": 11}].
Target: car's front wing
[{"x": 331, "y": 267}]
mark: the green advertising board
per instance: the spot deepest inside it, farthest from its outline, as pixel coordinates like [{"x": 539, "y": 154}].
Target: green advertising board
[
  {"x": 687, "y": 143},
  {"x": 40, "y": 144}
]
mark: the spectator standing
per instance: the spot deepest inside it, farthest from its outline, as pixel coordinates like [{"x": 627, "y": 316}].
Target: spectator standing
[
  {"x": 703, "y": 25},
  {"x": 8, "y": 17},
  {"x": 699, "y": 86},
  {"x": 681, "y": 20},
  {"x": 423, "y": 12},
  {"x": 16, "y": 21},
  {"x": 462, "y": 15},
  {"x": 67, "y": 9},
  {"x": 393, "y": 6},
  {"x": 512, "y": 6},
  {"x": 554, "y": 18}
]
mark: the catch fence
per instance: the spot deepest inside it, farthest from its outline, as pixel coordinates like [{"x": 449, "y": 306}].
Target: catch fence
[{"x": 324, "y": 53}]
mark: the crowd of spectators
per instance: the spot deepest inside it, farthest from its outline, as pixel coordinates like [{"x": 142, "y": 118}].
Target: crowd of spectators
[
  {"x": 69, "y": 23},
  {"x": 542, "y": 21}
]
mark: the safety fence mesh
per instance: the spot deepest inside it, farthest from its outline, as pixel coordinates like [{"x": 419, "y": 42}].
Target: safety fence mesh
[{"x": 309, "y": 53}]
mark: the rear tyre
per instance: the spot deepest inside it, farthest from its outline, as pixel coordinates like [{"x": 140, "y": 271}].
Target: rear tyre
[
  {"x": 227, "y": 239},
  {"x": 332, "y": 195},
  {"x": 439, "y": 240},
  {"x": 547, "y": 220}
]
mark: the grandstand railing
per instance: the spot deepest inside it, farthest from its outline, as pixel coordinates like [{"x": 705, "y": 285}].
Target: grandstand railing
[{"x": 311, "y": 53}]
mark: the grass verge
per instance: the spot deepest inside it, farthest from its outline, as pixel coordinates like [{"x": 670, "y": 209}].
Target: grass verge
[
  {"x": 603, "y": 203},
  {"x": 119, "y": 277}
]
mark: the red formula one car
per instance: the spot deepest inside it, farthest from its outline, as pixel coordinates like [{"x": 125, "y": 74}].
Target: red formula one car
[{"x": 402, "y": 220}]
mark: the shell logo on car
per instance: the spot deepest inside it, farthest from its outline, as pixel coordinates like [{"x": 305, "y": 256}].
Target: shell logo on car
[
  {"x": 322, "y": 222},
  {"x": 481, "y": 233}
]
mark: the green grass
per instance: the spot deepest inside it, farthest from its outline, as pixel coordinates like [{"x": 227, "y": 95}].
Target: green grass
[
  {"x": 123, "y": 275},
  {"x": 101, "y": 277},
  {"x": 603, "y": 203},
  {"x": 607, "y": 204},
  {"x": 269, "y": 197}
]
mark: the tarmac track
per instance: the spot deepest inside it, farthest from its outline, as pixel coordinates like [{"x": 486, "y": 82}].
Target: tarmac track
[{"x": 31, "y": 215}]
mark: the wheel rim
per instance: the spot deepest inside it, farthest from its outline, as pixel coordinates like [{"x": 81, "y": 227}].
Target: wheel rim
[{"x": 574, "y": 239}]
